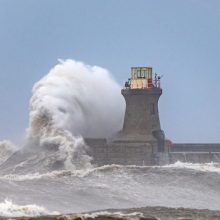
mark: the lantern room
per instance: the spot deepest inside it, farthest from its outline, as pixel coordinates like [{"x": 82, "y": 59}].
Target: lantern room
[{"x": 142, "y": 78}]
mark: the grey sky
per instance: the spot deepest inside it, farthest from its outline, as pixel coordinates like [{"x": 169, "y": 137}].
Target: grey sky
[{"x": 180, "y": 39}]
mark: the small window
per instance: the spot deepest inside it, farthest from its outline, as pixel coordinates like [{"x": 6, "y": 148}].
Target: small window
[
  {"x": 149, "y": 73},
  {"x": 143, "y": 73},
  {"x": 133, "y": 73},
  {"x": 152, "y": 109},
  {"x": 139, "y": 73}
]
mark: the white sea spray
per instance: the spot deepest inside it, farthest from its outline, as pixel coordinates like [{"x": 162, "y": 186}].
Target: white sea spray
[
  {"x": 7, "y": 148},
  {"x": 72, "y": 101}
]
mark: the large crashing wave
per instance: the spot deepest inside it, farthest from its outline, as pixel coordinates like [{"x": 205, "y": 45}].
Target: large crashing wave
[
  {"x": 82, "y": 99},
  {"x": 74, "y": 100}
]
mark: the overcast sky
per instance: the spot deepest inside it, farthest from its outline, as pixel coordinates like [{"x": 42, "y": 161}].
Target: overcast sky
[{"x": 179, "y": 39}]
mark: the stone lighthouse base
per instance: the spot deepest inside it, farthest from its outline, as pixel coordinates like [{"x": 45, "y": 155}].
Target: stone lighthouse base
[
  {"x": 122, "y": 152},
  {"x": 145, "y": 154}
]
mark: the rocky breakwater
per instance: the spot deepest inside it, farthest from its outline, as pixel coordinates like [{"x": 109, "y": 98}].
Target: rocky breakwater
[
  {"x": 145, "y": 213},
  {"x": 91, "y": 216}
]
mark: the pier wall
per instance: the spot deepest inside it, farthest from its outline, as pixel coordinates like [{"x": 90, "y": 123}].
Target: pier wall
[
  {"x": 194, "y": 147},
  {"x": 194, "y": 152},
  {"x": 134, "y": 153}
]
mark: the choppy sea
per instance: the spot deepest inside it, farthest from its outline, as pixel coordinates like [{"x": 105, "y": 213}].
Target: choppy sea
[{"x": 31, "y": 186}]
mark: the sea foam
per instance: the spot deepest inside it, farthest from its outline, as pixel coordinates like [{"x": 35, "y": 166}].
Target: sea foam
[
  {"x": 9, "y": 209},
  {"x": 205, "y": 167}
]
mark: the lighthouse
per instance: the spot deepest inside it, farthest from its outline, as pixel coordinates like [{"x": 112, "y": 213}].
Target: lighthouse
[
  {"x": 141, "y": 121},
  {"x": 141, "y": 141}
]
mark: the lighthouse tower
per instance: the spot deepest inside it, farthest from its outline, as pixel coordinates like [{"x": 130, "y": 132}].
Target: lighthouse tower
[{"x": 141, "y": 121}]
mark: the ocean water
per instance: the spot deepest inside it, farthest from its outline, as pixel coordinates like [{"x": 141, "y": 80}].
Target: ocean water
[
  {"x": 28, "y": 188},
  {"x": 52, "y": 173}
]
